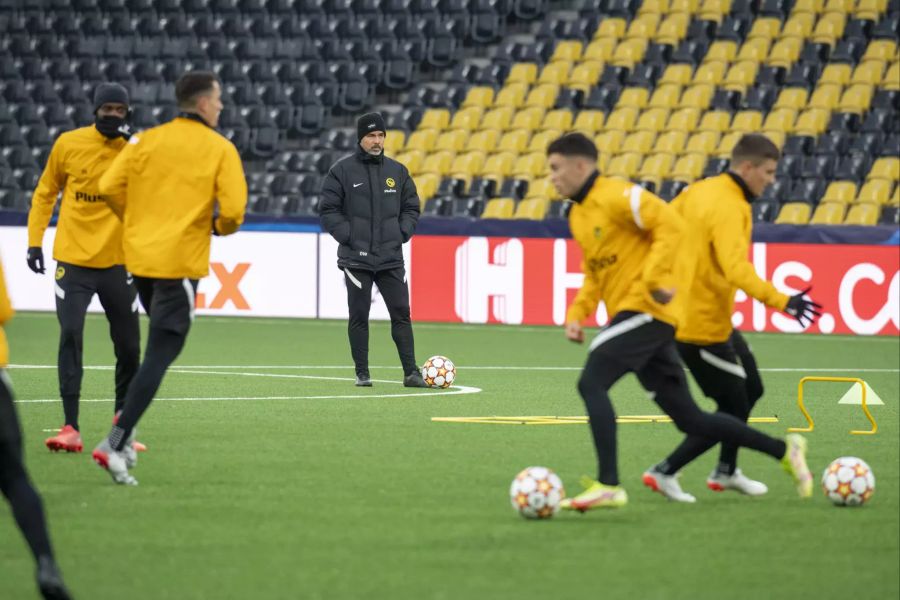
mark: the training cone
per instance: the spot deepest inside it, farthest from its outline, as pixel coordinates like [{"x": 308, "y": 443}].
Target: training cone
[{"x": 854, "y": 395}]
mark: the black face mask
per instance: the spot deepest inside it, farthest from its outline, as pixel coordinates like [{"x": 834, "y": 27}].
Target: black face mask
[{"x": 109, "y": 126}]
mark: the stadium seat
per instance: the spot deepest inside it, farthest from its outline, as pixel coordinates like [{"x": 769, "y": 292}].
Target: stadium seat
[
  {"x": 542, "y": 188},
  {"x": 624, "y": 166},
  {"x": 500, "y": 163},
  {"x": 622, "y": 119},
  {"x": 531, "y": 209},
  {"x": 639, "y": 141},
  {"x": 589, "y": 121},
  {"x": 794, "y": 213},
  {"x": 511, "y": 94},
  {"x": 764, "y": 211},
  {"x": 885, "y": 168},
  {"x": 688, "y": 168},
  {"x": 863, "y": 214},
  {"x": 875, "y": 191},
  {"x": 843, "y": 192},
  {"x": 829, "y": 213},
  {"x": 499, "y": 208}
]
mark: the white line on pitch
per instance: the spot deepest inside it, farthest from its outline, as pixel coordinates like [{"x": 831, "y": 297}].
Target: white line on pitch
[{"x": 183, "y": 368}]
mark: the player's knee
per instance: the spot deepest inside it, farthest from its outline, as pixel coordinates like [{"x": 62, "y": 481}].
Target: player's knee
[{"x": 71, "y": 334}]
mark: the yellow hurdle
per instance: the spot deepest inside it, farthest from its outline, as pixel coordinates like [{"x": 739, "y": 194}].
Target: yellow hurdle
[{"x": 809, "y": 419}]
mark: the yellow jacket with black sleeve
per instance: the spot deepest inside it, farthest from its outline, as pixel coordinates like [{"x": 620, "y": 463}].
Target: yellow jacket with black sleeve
[
  {"x": 164, "y": 186},
  {"x": 6, "y": 313},
  {"x": 629, "y": 238},
  {"x": 88, "y": 234},
  {"x": 719, "y": 225}
]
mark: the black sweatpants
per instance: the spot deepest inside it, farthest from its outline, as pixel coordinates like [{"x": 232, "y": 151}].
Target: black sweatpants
[
  {"x": 727, "y": 373},
  {"x": 392, "y": 285},
  {"x": 635, "y": 342},
  {"x": 75, "y": 286},
  {"x": 170, "y": 305},
  {"x": 24, "y": 500}
]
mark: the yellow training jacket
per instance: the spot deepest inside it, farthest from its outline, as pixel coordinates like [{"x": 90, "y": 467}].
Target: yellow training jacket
[
  {"x": 629, "y": 238},
  {"x": 719, "y": 225},
  {"x": 88, "y": 234},
  {"x": 6, "y": 313},
  {"x": 164, "y": 185}
]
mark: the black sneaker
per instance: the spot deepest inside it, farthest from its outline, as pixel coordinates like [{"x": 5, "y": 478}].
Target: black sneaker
[
  {"x": 50, "y": 581},
  {"x": 363, "y": 380},
  {"x": 414, "y": 379}
]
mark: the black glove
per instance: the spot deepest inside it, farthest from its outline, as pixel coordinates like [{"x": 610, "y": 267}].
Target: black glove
[
  {"x": 36, "y": 259},
  {"x": 800, "y": 308},
  {"x": 125, "y": 131}
]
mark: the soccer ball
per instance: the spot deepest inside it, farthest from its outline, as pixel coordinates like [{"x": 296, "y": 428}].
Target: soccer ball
[
  {"x": 536, "y": 492},
  {"x": 848, "y": 481},
  {"x": 439, "y": 372}
]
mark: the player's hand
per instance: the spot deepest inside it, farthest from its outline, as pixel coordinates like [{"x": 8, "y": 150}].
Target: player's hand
[
  {"x": 663, "y": 295},
  {"x": 36, "y": 259},
  {"x": 803, "y": 309},
  {"x": 575, "y": 332},
  {"x": 125, "y": 131}
]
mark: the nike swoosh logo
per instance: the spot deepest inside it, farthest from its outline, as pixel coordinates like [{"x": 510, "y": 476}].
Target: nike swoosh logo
[{"x": 357, "y": 184}]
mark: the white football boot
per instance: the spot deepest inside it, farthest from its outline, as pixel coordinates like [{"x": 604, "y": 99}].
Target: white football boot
[
  {"x": 114, "y": 462},
  {"x": 667, "y": 485},
  {"x": 719, "y": 482}
]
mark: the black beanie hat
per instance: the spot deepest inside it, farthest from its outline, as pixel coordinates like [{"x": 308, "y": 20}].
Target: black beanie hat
[
  {"x": 368, "y": 123},
  {"x": 107, "y": 93}
]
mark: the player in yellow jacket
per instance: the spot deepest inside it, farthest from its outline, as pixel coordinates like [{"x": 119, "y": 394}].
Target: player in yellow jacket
[
  {"x": 164, "y": 186},
  {"x": 629, "y": 239},
  {"x": 88, "y": 251},
  {"x": 24, "y": 500},
  {"x": 718, "y": 215}
]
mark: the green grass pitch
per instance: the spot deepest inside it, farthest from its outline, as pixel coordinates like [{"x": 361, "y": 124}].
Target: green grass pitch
[{"x": 292, "y": 483}]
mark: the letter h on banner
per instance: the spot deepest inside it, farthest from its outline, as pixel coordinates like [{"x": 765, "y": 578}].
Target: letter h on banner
[
  {"x": 478, "y": 279},
  {"x": 565, "y": 280}
]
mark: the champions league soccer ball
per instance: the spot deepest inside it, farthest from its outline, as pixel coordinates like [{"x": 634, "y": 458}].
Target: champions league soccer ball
[
  {"x": 536, "y": 492},
  {"x": 848, "y": 481},
  {"x": 439, "y": 372}
]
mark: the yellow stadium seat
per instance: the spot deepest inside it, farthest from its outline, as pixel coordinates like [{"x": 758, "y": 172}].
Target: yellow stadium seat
[
  {"x": 394, "y": 140},
  {"x": 467, "y": 118},
  {"x": 891, "y": 79},
  {"x": 792, "y": 97},
  {"x": 529, "y": 166},
  {"x": 611, "y": 28},
  {"x": 528, "y": 118},
  {"x": 422, "y": 139},
  {"x": 438, "y": 163},
  {"x": 651, "y": 19},
  {"x": 684, "y": 119},
  {"x": 567, "y": 50},
  {"x": 435, "y": 118},
  {"x": 765, "y": 27},
  {"x": 533, "y": 209},
  {"x": 514, "y": 140},
  {"x": 673, "y": 29},
  {"x": 704, "y": 142},
  {"x": 585, "y": 75},
  {"x": 755, "y": 50},
  {"x": 875, "y": 191},
  {"x": 629, "y": 53},
  {"x": 809, "y": 6},
  {"x": 885, "y": 168},
  {"x": 869, "y": 72},
  {"x": 686, "y": 7},
  {"x": 656, "y": 167},
  {"x": 835, "y": 73},
  {"x": 679, "y": 74},
  {"x": 840, "y": 191},
  {"x": 522, "y": 73},
  {"x": 740, "y": 76},
  {"x": 558, "y": 119},
  {"x": 839, "y": 6},
  {"x": 883, "y": 50},
  {"x": 794, "y": 213},
  {"x": 829, "y": 213},
  {"x": 500, "y": 163},
  {"x": 543, "y": 95},
  {"x": 635, "y": 97},
  {"x": 689, "y": 167},
  {"x": 452, "y": 140},
  {"x": 856, "y": 99},
  {"x": 785, "y": 52},
  {"x": 658, "y": 7},
  {"x": 639, "y": 141},
  {"x": 895, "y": 197},
  {"x": 589, "y": 120},
  {"x": 652, "y": 119},
  {"x": 747, "y": 121},
  {"x": 721, "y": 50},
  {"x": 412, "y": 160},
  {"x": 499, "y": 118},
  {"x": 812, "y": 122},
  {"x": 555, "y": 73},
  {"x": 600, "y": 49},
  {"x": 697, "y": 96},
  {"x": 868, "y": 10},
  {"x": 603, "y": 161},
  {"x": 863, "y": 214},
  {"x": 711, "y": 73},
  {"x": 610, "y": 141},
  {"x": 665, "y": 96},
  {"x": 469, "y": 164},
  {"x": 781, "y": 119},
  {"x": 799, "y": 25},
  {"x": 542, "y": 188},
  {"x": 511, "y": 95},
  {"x": 776, "y": 137},
  {"x": 624, "y": 166},
  {"x": 499, "y": 208},
  {"x": 427, "y": 185},
  {"x": 483, "y": 141},
  {"x": 829, "y": 28},
  {"x": 714, "y": 10},
  {"x": 640, "y": 29},
  {"x": 542, "y": 139},
  {"x": 480, "y": 95},
  {"x": 622, "y": 119},
  {"x": 727, "y": 143},
  {"x": 715, "y": 120},
  {"x": 825, "y": 96},
  {"x": 671, "y": 142}
]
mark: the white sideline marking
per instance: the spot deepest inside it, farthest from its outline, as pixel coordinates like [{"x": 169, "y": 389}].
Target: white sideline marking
[{"x": 181, "y": 368}]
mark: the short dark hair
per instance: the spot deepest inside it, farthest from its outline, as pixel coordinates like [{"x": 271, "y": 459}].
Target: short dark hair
[
  {"x": 573, "y": 144},
  {"x": 193, "y": 84},
  {"x": 754, "y": 148}
]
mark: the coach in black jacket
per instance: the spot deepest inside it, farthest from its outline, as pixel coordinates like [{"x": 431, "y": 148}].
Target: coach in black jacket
[{"x": 371, "y": 207}]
